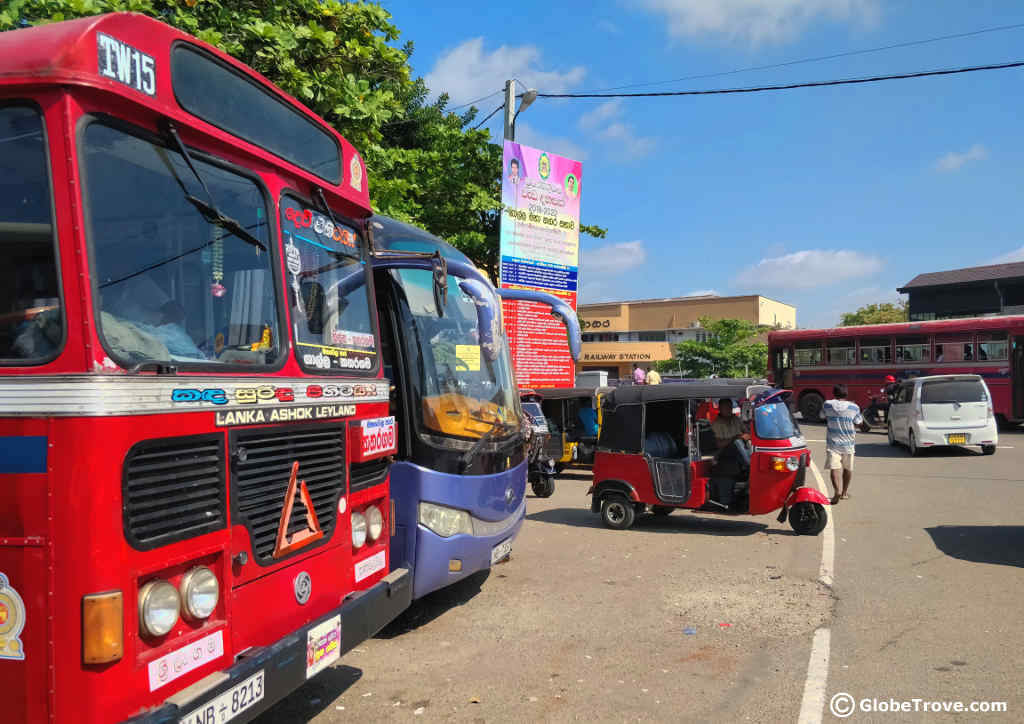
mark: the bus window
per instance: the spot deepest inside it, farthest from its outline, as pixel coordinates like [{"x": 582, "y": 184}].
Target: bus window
[
  {"x": 174, "y": 287},
  {"x": 875, "y": 350},
  {"x": 910, "y": 350},
  {"x": 31, "y": 323},
  {"x": 328, "y": 293},
  {"x": 993, "y": 346},
  {"x": 807, "y": 354},
  {"x": 841, "y": 352},
  {"x": 954, "y": 348}
]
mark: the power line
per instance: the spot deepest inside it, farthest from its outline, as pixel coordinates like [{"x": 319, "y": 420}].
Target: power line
[
  {"x": 787, "y": 86},
  {"x": 787, "y": 63},
  {"x": 478, "y": 100},
  {"x": 488, "y": 116}
]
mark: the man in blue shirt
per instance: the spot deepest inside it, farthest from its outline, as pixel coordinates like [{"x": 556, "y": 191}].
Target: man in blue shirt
[{"x": 843, "y": 419}]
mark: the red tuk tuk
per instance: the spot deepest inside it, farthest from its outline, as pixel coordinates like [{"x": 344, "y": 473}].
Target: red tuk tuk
[{"x": 653, "y": 451}]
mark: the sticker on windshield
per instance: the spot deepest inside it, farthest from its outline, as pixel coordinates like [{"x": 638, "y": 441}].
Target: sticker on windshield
[
  {"x": 346, "y": 338},
  {"x": 468, "y": 356}
]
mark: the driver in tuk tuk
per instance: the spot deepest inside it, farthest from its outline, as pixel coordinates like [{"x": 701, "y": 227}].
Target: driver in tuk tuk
[{"x": 732, "y": 461}]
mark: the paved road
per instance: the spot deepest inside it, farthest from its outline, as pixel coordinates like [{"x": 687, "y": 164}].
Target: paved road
[{"x": 586, "y": 623}]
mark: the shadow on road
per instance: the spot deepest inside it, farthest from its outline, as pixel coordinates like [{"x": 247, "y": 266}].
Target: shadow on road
[
  {"x": 313, "y": 697},
  {"x": 998, "y": 544},
  {"x": 683, "y": 522},
  {"x": 435, "y": 604},
  {"x": 885, "y": 450}
]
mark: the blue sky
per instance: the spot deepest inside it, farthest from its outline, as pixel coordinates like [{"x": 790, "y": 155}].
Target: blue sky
[{"x": 823, "y": 198}]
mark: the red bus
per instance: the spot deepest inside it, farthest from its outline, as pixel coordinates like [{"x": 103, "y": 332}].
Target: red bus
[
  {"x": 192, "y": 523},
  {"x": 811, "y": 361}
]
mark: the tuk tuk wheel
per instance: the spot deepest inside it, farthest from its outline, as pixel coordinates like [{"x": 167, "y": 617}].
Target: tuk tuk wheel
[
  {"x": 662, "y": 511},
  {"x": 544, "y": 488},
  {"x": 617, "y": 512},
  {"x": 808, "y": 518}
]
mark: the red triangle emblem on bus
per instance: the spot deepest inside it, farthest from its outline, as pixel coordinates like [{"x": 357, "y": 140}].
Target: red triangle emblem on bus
[{"x": 289, "y": 543}]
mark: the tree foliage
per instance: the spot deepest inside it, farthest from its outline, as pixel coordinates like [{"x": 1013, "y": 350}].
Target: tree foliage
[
  {"x": 426, "y": 165},
  {"x": 876, "y": 314},
  {"x": 732, "y": 349}
]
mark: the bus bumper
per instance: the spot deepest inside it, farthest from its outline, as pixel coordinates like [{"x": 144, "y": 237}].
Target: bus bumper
[{"x": 284, "y": 663}]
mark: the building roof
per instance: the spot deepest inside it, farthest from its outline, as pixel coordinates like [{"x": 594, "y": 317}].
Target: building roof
[
  {"x": 694, "y": 298},
  {"x": 988, "y": 273}
]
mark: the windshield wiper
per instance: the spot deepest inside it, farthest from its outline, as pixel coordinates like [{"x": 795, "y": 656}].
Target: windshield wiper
[
  {"x": 208, "y": 209},
  {"x": 498, "y": 425},
  {"x": 161, "y": 367}
]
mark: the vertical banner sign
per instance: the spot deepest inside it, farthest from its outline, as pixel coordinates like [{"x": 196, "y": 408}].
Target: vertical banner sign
[{"x": 540, "y": 249}]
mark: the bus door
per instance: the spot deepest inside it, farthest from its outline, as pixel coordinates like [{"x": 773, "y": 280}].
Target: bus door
[
  {"x": 1017, "y": 377},
  {"x": 782, "y": 365}
]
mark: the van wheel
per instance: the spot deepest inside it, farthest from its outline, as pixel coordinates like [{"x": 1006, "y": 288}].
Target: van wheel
[
  {"x": 912, "y": 444},
  {"x": 662, "y": 511},
  {"x": 808, "y": 518},
  {"x": 988, "y": 449},
  {"x": 545, "y": 487},
  {"x": 892, "y": 436},
  {"x": 811, "y": 405},
  {"x": 617, "y": 512}
]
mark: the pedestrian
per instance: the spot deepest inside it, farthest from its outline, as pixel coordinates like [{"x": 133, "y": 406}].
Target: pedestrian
[
  {"x": 843, "y": 419},
  {"x": 653, "y": 378},
  {"x": 638, "y": 374}
]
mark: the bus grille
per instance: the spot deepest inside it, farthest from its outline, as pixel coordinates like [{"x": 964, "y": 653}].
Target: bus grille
[
  {"x": 261, "y": 464},
  {"x": 368, "y": 474},
  {"x": 173, "y": 489}
]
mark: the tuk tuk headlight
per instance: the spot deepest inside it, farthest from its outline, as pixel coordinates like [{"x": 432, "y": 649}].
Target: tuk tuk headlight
[
  {"x": 445, "y": 521},
  {"x": 793, "y": 464},
  {"x": 159, "y": 605},
  {"x": 374, "y": 522},
  {"x": 200, "y": 592}
]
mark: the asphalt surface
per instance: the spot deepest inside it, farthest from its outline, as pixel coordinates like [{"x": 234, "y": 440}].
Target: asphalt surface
[{"x": 702, "y": 618}]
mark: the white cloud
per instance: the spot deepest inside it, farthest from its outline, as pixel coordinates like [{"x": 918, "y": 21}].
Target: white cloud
[
  {"x": 599, "y": 114},
  {"x": 530, "y": 136},
  {"x": 952, "y": 161},
  {"x": 468, "y": 71},
  {"x": 1009, "y": 257},
  {"x": 604, "y": 121},
  {"x": 809, "y": 269},
  {"x": 613, "y": 258},
  {"x": 703, "y": 293},
  {"x": 756, "y": 22}
]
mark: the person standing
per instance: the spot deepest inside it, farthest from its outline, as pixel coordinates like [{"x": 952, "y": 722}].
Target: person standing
[
  {"x": 638, "y": 374},
  {"x": 843, "y": 419},
  {"x": 653, "y": 378}
]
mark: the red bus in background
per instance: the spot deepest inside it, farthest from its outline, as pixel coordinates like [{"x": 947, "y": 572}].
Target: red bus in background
[
  {"x": 191, "y": 521},
  {"x": 811, "y": 361}
]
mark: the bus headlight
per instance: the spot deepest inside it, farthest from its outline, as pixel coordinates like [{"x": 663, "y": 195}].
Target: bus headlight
[
  {"x": 200, "y": 592},
  {"x": 445, "y": 521},
  {"x": 159, "y": 605},
  {"x": 374, "y": 522},
  {"x": 358, "y": 530}
]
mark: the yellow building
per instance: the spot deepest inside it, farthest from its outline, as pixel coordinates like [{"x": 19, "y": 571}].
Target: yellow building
[{"x": 618, "y": 334}]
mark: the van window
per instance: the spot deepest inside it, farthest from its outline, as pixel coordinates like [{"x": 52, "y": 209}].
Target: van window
[
  {"x": 31, "y": 321},
  {"x": 947, "y": 391}
]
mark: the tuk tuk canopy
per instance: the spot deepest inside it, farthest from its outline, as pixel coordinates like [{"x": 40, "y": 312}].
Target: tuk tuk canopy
[
  {"x": 714, "y": 389},
  {"x": 564, "y": 393}
]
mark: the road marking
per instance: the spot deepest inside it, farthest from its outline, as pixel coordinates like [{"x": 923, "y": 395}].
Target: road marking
[{"x": 812, "y": 707}]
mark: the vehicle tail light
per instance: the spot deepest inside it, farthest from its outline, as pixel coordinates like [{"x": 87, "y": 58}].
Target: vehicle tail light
[{"x": 102, "y": 627}]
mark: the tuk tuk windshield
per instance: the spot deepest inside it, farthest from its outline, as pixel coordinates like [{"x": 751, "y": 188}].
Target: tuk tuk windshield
[
  {"x": 459, "y": 392},
  {"x": 773, "y": 421}
]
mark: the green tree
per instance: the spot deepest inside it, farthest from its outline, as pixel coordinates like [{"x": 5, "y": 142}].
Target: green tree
[
  {"x": 876, "y": 314},
  {"x": 733, "y": 348},
  {"x": 427, "y": 166}
]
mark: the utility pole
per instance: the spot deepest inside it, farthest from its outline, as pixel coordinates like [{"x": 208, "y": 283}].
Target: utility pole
[{"x": 510, "y": 110}]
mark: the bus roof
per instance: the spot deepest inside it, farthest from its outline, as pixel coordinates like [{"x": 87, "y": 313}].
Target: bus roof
[
  {"x": 909, "y": 328},
  {"x": 70, "y": 53}
]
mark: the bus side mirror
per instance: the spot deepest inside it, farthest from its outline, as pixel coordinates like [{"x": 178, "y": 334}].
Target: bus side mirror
[
  {"x": 558, "y": 309},
  {"x": 488, "y": 316}
]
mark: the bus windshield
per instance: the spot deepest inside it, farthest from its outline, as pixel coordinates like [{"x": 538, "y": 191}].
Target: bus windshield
[
  {"x": 173, "y": 286},
  {"x": 459, "y": 392}
]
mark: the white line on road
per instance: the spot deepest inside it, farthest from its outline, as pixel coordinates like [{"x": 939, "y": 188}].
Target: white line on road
[{"x": 812, "y": 706}]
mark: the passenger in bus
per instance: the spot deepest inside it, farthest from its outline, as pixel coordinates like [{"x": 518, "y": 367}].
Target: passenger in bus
[{"x": 142, "y": 322}]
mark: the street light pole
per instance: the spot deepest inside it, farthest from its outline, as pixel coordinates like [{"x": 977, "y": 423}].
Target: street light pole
[{"x": 510, "y": 110}]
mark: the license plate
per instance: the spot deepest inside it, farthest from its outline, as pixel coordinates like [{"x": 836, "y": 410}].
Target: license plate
[
  {"x": 956, "y": 439},
  {"x": 230, "y": 704},
  {"x": 501, "y": 551}
]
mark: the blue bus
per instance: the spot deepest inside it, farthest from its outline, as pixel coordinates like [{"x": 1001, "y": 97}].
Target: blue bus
[{"x": 458, "y": 482}]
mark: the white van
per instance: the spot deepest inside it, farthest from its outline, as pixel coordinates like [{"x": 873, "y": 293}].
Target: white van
[{"x": 943, "y": 410}]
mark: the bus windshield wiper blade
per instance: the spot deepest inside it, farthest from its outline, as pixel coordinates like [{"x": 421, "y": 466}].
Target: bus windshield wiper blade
[
  {"x": 212, "y": 214},
  {"x": 467, "y": 458},
  {"x": 209, "y": 208}
]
